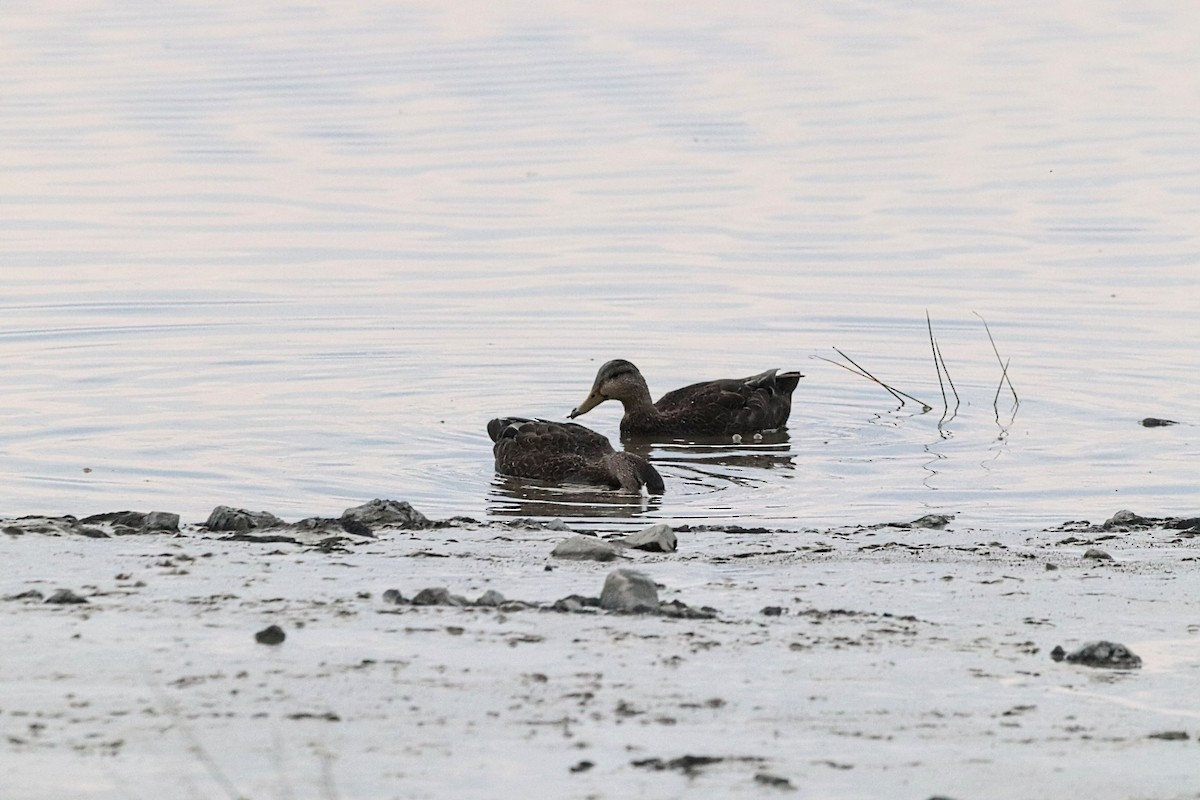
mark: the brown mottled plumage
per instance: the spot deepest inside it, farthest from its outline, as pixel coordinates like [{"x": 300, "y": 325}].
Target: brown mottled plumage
[
  {"x": 759, "y": 403},
  {"x": 566, "y": 452}
]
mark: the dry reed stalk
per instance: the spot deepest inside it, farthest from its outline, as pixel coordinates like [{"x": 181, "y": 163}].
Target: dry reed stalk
[
  {"x": 1003, "y": 369},
  {"x": 939, "y": 364},
  {"x": 859, "y": 370}
]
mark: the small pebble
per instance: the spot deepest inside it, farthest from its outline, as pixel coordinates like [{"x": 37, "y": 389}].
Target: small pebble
[
  {"x": 585, "y": 548},
  {"x": 1171, "y": 736},
  {"x": 490, "y": 598},
  {"x": 775, "y": 781},
  {"x": 438, "y": 596},
  {"x": 65, "y": 597},
  {"x": 1101, "y": 654},
  {"x": 272, "y": 634}
]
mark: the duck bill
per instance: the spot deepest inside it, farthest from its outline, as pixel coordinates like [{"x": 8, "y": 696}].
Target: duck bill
[{"x": 594, "y": 399}]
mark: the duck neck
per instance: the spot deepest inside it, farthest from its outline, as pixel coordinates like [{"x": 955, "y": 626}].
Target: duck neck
[
  {"x": 636, "y": 399},
  {"x": 641, "y": 415}
]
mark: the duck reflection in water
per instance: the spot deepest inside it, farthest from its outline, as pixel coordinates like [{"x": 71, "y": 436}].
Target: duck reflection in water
[
  {"x": 696, "y": 467},
  {"x": 715, "y": 459},
  {"x": 522, "y": 497}
]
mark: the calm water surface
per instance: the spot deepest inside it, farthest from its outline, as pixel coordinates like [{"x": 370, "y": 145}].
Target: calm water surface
[{"x": 295, "y": 257}]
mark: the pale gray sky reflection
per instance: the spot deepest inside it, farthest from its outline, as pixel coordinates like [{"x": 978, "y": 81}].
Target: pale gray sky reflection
[{"x": 295, "y": 259}]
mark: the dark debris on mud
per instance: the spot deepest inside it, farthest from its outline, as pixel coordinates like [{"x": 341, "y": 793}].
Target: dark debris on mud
[
  {"x": 1126, "y": 521},
  {"x": 367, "y": 521},
  {"x": 625, "y": 591},
  {"x": 1102, "y": 655}
]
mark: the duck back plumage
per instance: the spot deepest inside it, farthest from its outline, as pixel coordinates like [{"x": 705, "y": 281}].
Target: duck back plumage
[
  {"x": 761, "y": 402},
  {"x": 566, "y": 452}
]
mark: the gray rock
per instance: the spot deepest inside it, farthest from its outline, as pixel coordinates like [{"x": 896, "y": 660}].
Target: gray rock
[
  {"x": 575, "y": 603},
  {"x": 124, "y": 523},
  {"x": 52, "y": 526},
  {"x": 1102, "y": 654},
  {"x": 1097, "y": 554},
  {"x": 515, "y": 605},
  {"x": 161, "y": 521},
  {"x": 1126, "y": 520},
  {"x": 438, "y": 596},
  {"x": 490, "y": 598},
  {"x": 585, "y": 548},
  {"x": 1170, "y": 736},
  {"x": 629, "y": 590},
  {"x": 392, "y": 513},
  {"x": 774, "y": 781},
  {"x": 656, "y": 539},
  {"x": 681, "y": 610},
  {"x": 394, "y": 597},
  {"x": 935, "y": 522},
  {"x": 272, "y": 634},
  {"x": 225, "y": 518},
  {"x": 322, "y": 525},
  {"x": 65, "y": 597},
  {"x": 133, "y": 520}
]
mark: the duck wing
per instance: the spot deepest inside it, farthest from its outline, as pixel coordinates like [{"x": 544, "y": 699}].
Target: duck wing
[
  {"x": 544, "y": 436},
  {"x": 549, "y": 451},
  {"x": 565, "y": 451},
  {"x": 733, "y": 405}
]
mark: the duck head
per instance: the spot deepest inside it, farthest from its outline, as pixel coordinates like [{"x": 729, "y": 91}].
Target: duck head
[{"x": 616, "y": 380}]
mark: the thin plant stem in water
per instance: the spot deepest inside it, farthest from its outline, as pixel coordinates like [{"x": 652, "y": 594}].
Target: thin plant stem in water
[
  {"x": 858, "y": 370},
  {"x": 939, "y": 364},
  {"x": 1003, "y": 370},
  {"x": 936, "y": 365}
]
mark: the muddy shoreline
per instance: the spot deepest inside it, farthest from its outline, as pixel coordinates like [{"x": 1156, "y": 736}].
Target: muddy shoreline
[{"x": 900, "y": 660}]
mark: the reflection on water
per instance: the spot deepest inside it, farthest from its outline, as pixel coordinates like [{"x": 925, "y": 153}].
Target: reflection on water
[
  {"x": 706, "y": 466},
  {"x": 708, "y": 462},
  {"x": 294, "y": 259},
  {"x": 523, "y": 497}
]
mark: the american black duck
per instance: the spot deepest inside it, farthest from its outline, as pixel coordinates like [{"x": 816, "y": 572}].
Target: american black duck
[
  {"x": 713, "y": 408},
  {"x": 564, "y": 452}
]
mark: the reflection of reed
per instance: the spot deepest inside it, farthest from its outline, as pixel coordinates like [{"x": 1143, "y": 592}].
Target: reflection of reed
[
  {"x": 1003, "y": 426},
  {"x": 522, "y": 497}
]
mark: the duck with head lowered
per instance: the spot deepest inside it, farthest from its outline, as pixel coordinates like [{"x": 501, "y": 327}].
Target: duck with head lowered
[
  {"x": 726, "y": 407},
  {"x": 564, "y": 452}
]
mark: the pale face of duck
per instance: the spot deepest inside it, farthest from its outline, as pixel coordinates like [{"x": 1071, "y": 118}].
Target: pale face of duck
[{"x": 616, "y": 380}]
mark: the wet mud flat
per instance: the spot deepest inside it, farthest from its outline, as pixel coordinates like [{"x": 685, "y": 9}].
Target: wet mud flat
[{"x": 902, "y": 660}]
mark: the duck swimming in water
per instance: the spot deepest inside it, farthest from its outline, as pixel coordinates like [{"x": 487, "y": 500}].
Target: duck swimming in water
[
  {"x": 759, "y": 403},
  {"x": 565, "y": 452}
]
